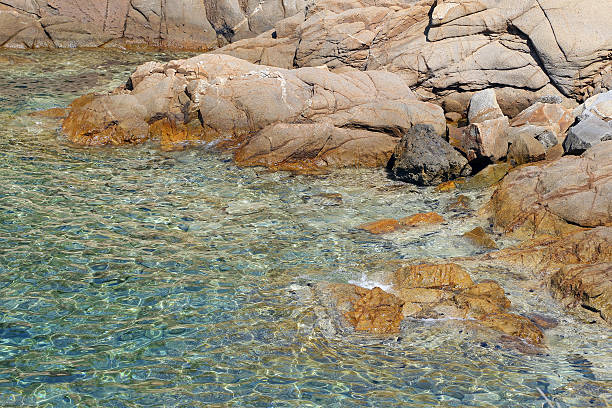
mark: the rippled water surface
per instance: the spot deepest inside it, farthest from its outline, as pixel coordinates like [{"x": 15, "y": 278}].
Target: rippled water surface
[{"x": 136, "y": 278}]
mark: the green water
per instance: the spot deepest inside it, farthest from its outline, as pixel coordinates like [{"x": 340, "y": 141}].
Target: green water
[{"x": 136, "y": 278}]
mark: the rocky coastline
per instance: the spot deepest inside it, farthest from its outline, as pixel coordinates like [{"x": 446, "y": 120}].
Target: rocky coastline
[{"x": 506, "y": 99}]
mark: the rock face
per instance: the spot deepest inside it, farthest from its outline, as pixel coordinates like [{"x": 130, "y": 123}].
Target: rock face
[
  {"x": 176, "y": 24},
  {"x": 422, "y": 157},
  {"x": 556, "y": 197},
  {"x": 587, "y": 133},
  {"x": 283, "y": 119},
  {"x": 587, "y": 285},
  {"x": 449, "y": 50}
]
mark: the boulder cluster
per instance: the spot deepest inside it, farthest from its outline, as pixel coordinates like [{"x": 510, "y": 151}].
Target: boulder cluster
[{"x": 515, "y": 94}]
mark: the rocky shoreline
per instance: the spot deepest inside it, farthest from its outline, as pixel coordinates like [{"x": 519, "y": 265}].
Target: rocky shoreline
[{"x": 508, "y": 96}]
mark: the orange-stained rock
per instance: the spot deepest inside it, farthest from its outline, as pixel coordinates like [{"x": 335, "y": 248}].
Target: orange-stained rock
[
  {"x": 177, "y": 136},
  {"x": 483, "y": 299},
  {"x": 376, "y": 311},
  {"x": 547, "y": 255},
  {"x": 421, "y": 219},
  {"x": 589, "y": 286},
  {"x": 449, "y": 276},
  {"x": 478, "y": 236},
  {"x": 448, "y": 185},
  {"x": 53, "y": 113},
  {"x": 551, "y": 116},
  {"x": 381, "y": 226},
  {"x": 461, "y": 202},
  {"x": 514, "y": 325}
]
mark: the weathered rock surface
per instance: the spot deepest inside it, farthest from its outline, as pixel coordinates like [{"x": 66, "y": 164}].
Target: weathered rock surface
[
  {"x": 422, "y": 157},
  {"x": 430, "y": 291},
  {"x": 176, "y": 24},
  {"x": 283, "y": 119},
  {"x": 479, "y": 237},
  {"x": 545, "y": 117},
  {"x": 590, "y": 286},
  {"x": 557, "y": 197},
  {"x": 390, "y": 225},
  {"x": 448, "y": 50}
]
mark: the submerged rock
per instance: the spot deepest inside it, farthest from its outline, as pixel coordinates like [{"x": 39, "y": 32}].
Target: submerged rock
[
  {"x": 381, "y": 226},
  {"x": 589, "y": 286},
  {"x": 389, "y": 224},
  {"x": 479, "y": 237},
  {"x": 431, "y": 291},
  {"x": 422, "y": 157}
]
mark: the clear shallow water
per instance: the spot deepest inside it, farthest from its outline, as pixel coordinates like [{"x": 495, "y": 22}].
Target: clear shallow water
[{"x": 135, "y": 278}]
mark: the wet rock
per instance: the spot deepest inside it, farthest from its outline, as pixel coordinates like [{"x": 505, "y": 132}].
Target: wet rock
[
  {"x": 421, "y": 219},
  {"x": 461, "y": 203},
  {"x": 586, "y": 134},
  {"x": 514, "y": 325},
  {"x": 546, "y": 255},
  {"x": 556, "y": 197},
  {"x": 542, "y": 321},
  {"x": 325, "y": 199},
  {"x": 53, "y": 113},
  {"x": 376, "y": 311},
  {"x": 484, "y": 106},
  {"x": 487, "y": 177},
  {"x": 449, "y": 276},
  {"x": 422, "y": 157},
  {"x": 479, "y": 237},
  {"x": 525, "y": 149},
  {"x": 589, "y": 286},
  {"x": 381, "y": 226},
  {"x": 448, "y": 185}
]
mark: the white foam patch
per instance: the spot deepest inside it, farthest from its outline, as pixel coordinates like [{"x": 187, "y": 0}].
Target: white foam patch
[{"x": 364, "y": 282}]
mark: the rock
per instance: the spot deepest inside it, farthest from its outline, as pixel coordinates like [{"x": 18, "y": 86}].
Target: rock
[
  {"x": 524, "y": 50},
  {"x": 587, "y": 285},
  {"x": 485, "y": 141},
  {"x": 303, "y": 119},
  {"x": 556, "y": 197},
  {"x": 448, "y": 276},
  {"x": 542, "y": 321},
  {"x": 376, "y": 311},
  {"x": 599, "y": 106},
  {"x": 487, "y": 177},
  {"x": 448, "y": 185},
  {"x": 421, "y": 219},
  {"x": 587, "y": 133},
  {"x": 172, "y": 24},
  {"x": 514, "y": 325},
  {"x": 460, "y": 203},
  {"x": 547, "y": 139},
  {"x": 453, "y": 117},
  {"x": 424, "y": 158},
  {"x": 546, "y": 255},
  {"x": 381, "y": 226},
  {"x": 525, "y": 149},
  {"x": 53, "y": 113},
  {"x": 484, "y": 106},
  {"x": 479, "y": 237},
  {"x": 555, "y": 152},
  {"x": 552, "y": 117}
]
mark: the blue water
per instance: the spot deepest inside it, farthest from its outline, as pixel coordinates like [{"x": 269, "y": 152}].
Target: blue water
[{"x": 134, "y": 277}]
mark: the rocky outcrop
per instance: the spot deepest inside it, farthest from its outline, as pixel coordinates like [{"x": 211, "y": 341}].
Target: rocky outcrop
[
  {"x": 422, "y": 157},
  {"x": 595, "y": 124},
  {"x": 430, "y": 291},
  {"x": 283, "y": 119},
  {"x": 556, "y": 197},
  {"x": 174, "y": 24},
  {"x": 449, "y": 49}
]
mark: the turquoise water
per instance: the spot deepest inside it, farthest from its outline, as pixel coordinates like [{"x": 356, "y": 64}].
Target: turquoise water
[{"x": 137, "y": 278}]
